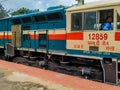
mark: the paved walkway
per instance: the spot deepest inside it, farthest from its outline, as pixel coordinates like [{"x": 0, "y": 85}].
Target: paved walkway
[{"x": 58, "y": 78}]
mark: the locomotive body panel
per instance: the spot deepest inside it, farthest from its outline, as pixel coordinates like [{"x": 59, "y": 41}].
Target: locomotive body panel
[{"x": 85, "y": 35}]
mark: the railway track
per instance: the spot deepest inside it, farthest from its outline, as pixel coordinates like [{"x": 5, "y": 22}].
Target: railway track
[
  {"x": 82, "y": 71},
  {"x": 61, "y": 67}
]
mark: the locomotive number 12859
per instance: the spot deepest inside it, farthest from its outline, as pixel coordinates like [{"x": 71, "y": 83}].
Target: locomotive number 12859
[{"x": 98, "y": 36}]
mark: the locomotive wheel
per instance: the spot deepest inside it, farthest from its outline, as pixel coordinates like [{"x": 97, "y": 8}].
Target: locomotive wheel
[
  {"x": 42, "y": 64},
  {"x": 20, "y": 60}
]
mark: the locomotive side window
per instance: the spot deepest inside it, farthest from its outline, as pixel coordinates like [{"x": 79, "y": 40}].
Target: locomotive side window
[
  {"x": 106, "y": 19},
  {"x": 26, "y": 20},
  {"x": 16, "y": 21},
  {"x": 90, "y": 20},
  {"x": 118, "y": 21},
  {"x": 40, "y": 18},
  {"x": 76, "y": 22},
  {"x": 54, "y": 16}
]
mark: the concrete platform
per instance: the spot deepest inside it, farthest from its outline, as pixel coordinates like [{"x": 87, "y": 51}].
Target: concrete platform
[
  {"x": 12, "y": 80},
  {"x": 58, "y": 78}
]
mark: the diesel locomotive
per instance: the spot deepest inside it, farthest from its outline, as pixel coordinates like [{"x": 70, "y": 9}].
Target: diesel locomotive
[{"x": 68, "y": 39}]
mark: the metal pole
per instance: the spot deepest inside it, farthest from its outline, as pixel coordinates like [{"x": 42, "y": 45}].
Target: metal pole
[
  {"x": 47, "y": 49},
  {"x": 7, "y": 31},
  {"x": 15, "y": 39},
  {"x": 35, "y": 40},
  {"x": 4, "y": 39}
]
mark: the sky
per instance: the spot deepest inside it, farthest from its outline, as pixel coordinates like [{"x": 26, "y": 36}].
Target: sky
[{"x": 36, "y": 4}]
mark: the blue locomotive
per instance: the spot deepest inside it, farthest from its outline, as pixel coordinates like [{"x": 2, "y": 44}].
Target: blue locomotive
[{"x": 70, "y": 40}]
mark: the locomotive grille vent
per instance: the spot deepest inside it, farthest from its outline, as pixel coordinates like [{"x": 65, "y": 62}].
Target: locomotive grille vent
[
  {"x": 9, "y": 49},
  {"x": 94, "y": 48}
]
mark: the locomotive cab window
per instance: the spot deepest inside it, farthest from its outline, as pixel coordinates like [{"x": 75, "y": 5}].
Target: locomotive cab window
[
  {"x": 118, "y": 21},
  {"x": 106, "y": 20},
  {"x": 90, "y": 20},
  {"x": 76, "y": 24}
]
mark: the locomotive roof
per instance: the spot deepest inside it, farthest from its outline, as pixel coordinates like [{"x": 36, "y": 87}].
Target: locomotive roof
[
  {"x": 6, "y": 18},
  {"x": 97, "y": 4},
  {"x": 38, "y": 13}
]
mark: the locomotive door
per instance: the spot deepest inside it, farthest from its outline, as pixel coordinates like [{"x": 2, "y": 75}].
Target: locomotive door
[
  {"x": 43, "y": 41},
  {"x": 16, "y": 35}
]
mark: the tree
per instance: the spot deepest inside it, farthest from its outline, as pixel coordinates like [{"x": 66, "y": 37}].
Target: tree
[
  {"x": 23, "y": 11},
  {"x": 61, "y": 6},
  {"x": 3, "y": 12}
]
